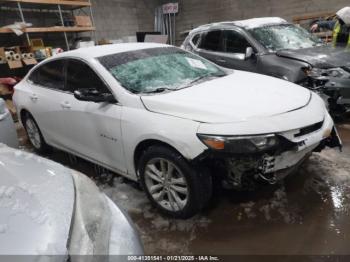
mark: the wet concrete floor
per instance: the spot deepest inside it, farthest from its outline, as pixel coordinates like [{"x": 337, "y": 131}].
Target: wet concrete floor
[{"x": 307, "y": 214}]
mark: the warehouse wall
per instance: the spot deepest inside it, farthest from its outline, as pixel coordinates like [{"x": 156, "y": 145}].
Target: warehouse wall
[
  {"x": 117, "y": 18},
  {"x": 196, "y": 12}
]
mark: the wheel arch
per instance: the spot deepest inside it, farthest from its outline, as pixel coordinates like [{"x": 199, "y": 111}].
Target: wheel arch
[
  {"x": 22, "y": 114},
  {"x": 143, "y": 145}
]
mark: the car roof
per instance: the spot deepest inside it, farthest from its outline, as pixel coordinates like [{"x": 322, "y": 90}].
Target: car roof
[
  {"x": 103, "y": 50},
  {"x": 245, "y": 24}
]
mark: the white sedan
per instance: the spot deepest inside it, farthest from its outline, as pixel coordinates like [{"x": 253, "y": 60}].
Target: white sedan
[{"x": 165, "y": 117}]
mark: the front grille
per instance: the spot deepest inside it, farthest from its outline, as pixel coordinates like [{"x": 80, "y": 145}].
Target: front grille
[{"x": 309, "y": 129}]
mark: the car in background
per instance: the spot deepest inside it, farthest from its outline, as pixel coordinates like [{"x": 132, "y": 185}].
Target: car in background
[
  {"x": 48, "y": 209},
  {"x": 160, "y": 115},
  {"x": 8, "y": 134},
  {"x": 274, "y": 47}
]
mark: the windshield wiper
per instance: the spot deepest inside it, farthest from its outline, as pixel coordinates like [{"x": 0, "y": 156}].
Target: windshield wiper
[
  {"x": 158, "y": 90},
  {"x": 197, "y": 79}
]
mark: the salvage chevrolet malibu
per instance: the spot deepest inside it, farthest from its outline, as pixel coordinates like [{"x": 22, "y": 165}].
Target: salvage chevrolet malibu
[
  {"x": 165, "y": 117},
  {"x": 48, "y": 209}
]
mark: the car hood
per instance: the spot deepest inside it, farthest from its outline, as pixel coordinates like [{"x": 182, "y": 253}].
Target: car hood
[
  {"x": 321, "y": 57},
  {"x": 36, "y": 204},
  {"x": 237, "y": 97}
]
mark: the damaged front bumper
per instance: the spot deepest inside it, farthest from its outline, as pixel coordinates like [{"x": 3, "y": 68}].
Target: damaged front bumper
[
  {"x": 238, "y": 171},
  {"x": 335, "y": 92}
]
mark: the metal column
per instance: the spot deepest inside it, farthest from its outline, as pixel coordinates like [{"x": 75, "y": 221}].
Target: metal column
[
  {"x": 22, "y": 17},
  {"x": 62, "y": 22},
  {"x": 170, "y": 30},
  {"x": 92, "y": 21}
]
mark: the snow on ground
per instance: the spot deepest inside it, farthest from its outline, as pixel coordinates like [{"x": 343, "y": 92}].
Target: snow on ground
[
  {"x": 149, "y": 222},
  {"x": 328, "y": 176}
]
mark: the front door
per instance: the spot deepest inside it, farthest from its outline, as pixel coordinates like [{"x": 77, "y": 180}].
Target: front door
[
  {"x": 227, "y": 48},
  {"x": 92, "y": 130},
  {"x": 210, "y": 47}
]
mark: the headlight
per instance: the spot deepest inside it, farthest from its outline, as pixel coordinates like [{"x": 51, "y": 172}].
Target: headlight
[
  {"x": 331, "y": 72},
  {"x": 240, "y": 144}
]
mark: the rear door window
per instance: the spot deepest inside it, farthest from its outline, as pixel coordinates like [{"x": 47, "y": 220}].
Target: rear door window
[
  {"x": 50, "y": 75},
  {"x": 234, "y": 42},
  {"x": 81, "y": 76},
  {"x": 212, "y": 41}
]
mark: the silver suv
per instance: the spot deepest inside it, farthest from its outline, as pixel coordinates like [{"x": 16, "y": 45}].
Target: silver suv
[{"x": 274, "y": 47}]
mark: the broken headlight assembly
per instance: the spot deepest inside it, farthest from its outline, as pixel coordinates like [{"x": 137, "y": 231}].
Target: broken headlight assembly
[
  {"x": 240, "y": 144},
  {"x": 336, "y": 72}
]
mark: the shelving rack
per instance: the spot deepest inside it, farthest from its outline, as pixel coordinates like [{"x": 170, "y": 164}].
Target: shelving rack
[{"x": 50, "y": 5}]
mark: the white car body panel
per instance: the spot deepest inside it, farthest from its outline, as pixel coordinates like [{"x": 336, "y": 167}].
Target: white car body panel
[
  {"x": 239, "y": 104},
  {"x": 8, "y": 133},
  {"x": 221, "y": 100},
  {"x": 140, "y": 125},
  {"x": 315, "y": 112}
]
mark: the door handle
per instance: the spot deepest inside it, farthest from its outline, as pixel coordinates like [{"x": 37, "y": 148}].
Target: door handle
[
  {"x": 34, "y": 97},
  {"x": 221, "y": 60},
  {"x": 66, "y": 105}
]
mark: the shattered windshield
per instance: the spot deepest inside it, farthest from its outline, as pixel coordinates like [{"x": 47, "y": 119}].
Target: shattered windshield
[
  {"x": 281, "y": 37},
  {"x": 158, "y": 69}
]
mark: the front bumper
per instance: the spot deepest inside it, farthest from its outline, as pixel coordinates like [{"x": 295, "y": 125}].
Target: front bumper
[
  {"x": 273, "y": 166},
  {"x": 335, "y": 91}
]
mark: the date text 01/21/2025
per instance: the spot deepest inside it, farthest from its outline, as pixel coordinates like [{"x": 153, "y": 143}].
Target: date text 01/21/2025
[{"x": 173, "y": 258}]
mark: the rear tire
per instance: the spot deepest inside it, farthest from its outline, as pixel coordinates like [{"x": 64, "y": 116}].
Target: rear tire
[
  {"x": 172, "y": 185},
  {"x": 34, "y": 134}
]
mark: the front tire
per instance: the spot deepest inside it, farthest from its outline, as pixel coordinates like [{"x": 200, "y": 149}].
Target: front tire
[
  {"x": 172, "y": 184},
  {"x": 34, "y": 134}
]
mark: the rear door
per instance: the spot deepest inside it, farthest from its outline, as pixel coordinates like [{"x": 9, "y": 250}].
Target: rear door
[
  {"x": 45, "y": 96},
  {"x": 92, "y": 130}
]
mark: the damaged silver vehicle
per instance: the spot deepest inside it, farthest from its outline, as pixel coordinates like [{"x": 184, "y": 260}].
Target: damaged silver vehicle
[
  {"x": 8, "y": 134},
  {"x": 274, "y": 47},
  {"x": 47, "y": 209}
]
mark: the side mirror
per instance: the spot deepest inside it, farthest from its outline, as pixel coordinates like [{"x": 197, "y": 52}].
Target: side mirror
[
  {"x": 249, "y": 52},
  {"x": 93, "y": 95}
]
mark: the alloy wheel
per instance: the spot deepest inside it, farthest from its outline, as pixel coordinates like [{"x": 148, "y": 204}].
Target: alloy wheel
[
  {"x": 166, "y": 184},
  {"x": 33, "y": 133}
]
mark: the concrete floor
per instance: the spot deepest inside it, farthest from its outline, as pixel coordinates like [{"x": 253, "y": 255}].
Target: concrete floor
[{"x": 307, "y": 214}]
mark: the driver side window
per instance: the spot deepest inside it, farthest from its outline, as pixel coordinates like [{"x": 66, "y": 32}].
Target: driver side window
[
  {"x": 81, "y": 76},
  {"x": 234, "y": 42}
]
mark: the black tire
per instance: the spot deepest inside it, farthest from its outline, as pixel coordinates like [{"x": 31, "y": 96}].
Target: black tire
[
  {"x": 40, "y": 147},
  {"x": 198, "y": 182}
]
